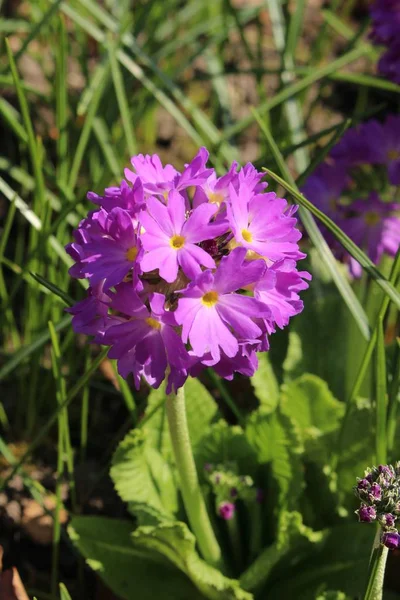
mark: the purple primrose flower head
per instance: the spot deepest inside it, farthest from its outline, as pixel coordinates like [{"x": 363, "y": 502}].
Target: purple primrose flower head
[{"x": 187, "y": 270}]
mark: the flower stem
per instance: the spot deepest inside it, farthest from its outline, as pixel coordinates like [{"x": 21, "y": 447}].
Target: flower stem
[
  {"x": 374, "y": 589},
  {"x": 234, "y": 535},
  {"x": 189, "y": 483}
]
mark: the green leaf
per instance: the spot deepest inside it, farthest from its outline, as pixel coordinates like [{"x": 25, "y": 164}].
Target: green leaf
[
  {"x": 107, "y": 547},
  {"x": 140, "y": 474},
  {"x": 276, "y": 442},
  {"x": 177, "y": 544},
  {"x": 265, "y": 384},
  {"x": 200, "y": 410},
  {"x": 225, "y": 443},
  {"x": 292, "y": 535},
  {"x": 64, "y": 594},
  {"x": 311, "y": 404},
  {"x": 341, "y": 557}
]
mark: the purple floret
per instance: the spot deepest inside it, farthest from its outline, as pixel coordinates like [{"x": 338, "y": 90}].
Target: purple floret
[
  {"x": 391, "y": 539},
  {"x": 366, "y": 514}
]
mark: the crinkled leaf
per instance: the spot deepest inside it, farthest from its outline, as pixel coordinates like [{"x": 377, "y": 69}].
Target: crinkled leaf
[
  {"x": 340, "y": 558},
  {"x": 265, "y": 384},
  {"x": 316, "y": 412},
  {"x": 276, "y": 442},
  {"x": 225, "y": 443},
  {"x": 309, "y": 401},
  {"x": 200, "y": 410},
  {"x": 292, "y": 535},
  {"x": 141, "y": 475},
  {"x": 131, "y": 573},
  {"x": 177, "y": 543},
  {"x": 357, "y": 448}
]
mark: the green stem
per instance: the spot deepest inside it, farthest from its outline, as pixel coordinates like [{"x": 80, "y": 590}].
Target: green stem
[
  {"x": 189, "y": 483},
  {"x": 234, "y": 535},
  {"x": 374, "y": 589}
]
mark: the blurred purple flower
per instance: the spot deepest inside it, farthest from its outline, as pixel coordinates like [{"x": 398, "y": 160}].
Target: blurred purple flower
[
  {"x": 389, "y": 63},
  {"x": 385, "y": 16}
]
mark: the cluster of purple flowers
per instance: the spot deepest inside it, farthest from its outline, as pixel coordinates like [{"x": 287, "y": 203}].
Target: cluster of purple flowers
[
  {"x": 385, "y": 15},
  {"x": 379, "y": 493},
  {"x": 187, "y": 270},
  {"x": 358, "y": 187},
  {"x": 228, "y": 487}
]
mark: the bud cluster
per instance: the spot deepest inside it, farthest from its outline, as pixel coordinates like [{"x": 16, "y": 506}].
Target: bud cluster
[
  {"x": 229, "y": 487},
  {"x": 379, "y": 493}
]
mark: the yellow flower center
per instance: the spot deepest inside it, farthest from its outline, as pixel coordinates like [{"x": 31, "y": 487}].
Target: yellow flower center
[
  {"x": 393, "y": 154},
  {"x": 247, "y": 236},
  {"x": 131, "y": 254},
  {"x": 372, "y": 218},
  {"x": 177, "y": 241},
  {"x": 210, "y": 299},
  {"x": 153, "y": 323},
  {"x": 215, "y": 198}
]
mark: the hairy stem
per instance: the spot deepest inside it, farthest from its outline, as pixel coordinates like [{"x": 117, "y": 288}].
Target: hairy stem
[
  {"x": 189, "y": 483},
  {"x": 374, "y": 589}
]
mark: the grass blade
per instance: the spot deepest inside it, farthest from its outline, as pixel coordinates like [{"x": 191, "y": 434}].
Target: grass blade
[
  {"x": 54, "y": 289},
  {"x": 102, "y": 134},
  {"x": 121, "y": 99},
  {"x": 393, "y": 399},
  {"x": 12, "y": 118},
  {"x": 29, "y": 349},
  {"x": 50, "y": 422},
  {"x": 381, "y": 396},
  {"x": 62, "y": 103},
  {"x": 297, "y": 87},
  {"x": 37, "y": 27},
  {"x": 34, "y": 150},
  {"x": 87, "y": 127}
]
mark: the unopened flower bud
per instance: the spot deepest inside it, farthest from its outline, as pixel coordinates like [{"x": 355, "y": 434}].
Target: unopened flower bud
[
  {"x": 226, "y": 510},
  {"x": 391, "y": 539},
  {"x": 366, "y": 514}
]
